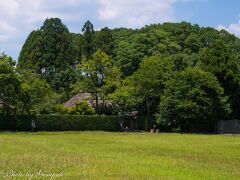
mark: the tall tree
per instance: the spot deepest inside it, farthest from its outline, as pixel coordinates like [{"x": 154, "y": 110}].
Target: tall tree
[
  {"x": 88, "y": 35},
  {"x": 191, "y": 98},
  {"x": 149, "y": 80},
  {"x": 48, "y": 50},
  {"x": 97, "y": 72},
  {"x": 10, "y": 85},
  {"x": 64, "y": 80},
  {"x": 104, "y": 41},
  {"x": 57, "y": 49},
  {"x": 141, "y": 91},
  {"x": 220, "y": 59},
  {"x": 78, "y": 45},
  {"x": 35, "y": 93},
  {"x": 32, "y": 51}
]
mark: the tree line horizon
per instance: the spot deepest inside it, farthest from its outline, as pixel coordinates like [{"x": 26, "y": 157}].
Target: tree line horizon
[{"x": 182, "y": 74}]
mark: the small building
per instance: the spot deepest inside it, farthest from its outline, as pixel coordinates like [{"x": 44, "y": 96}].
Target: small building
[
  {"x": 79, "y": 98},
  {"x": 88, "y": 97},
  {"x": 229, "y": 127}
]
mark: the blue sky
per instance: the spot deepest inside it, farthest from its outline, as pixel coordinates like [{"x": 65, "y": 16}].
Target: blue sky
[{"x": 19, "y": 17}]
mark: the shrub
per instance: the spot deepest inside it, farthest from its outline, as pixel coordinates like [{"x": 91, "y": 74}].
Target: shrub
[
  {"x": 81, "y": 108},
  {"x": 71, "y": 122},
  {"x": 18, "y": 122},
  {"x": 68, "y": 122}
]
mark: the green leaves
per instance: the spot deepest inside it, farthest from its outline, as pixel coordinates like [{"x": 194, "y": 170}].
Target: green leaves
[
  {"x": 222, "y": 61},
  {"x": 134, "y": 67},
  {"x": 98, "y": 76},
  {"x": 191, "y": 97},
  {"x": 81, "y": 108},
  {"x": 88, "y": 35},
  {"x": 47, "y": 51},
  {"x": 35, "y": 94},
  {"x": 10, "y": 85}
]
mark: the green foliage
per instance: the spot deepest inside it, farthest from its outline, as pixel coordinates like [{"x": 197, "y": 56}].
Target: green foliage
[
  {"x": 88, "y": 36},
  {"x": 93, "y": 71},
  {"x": 220, "y": 59},
  {"x": 99, "y": 75},
  {"x": 78, "y": 47},
  {"x": 129, "y": 54},
  {"x": 81, "y": 108},
  {"x": 193, "y": 43},
  {"x": 129, "y": 67},
  {"x": 15, "y": 122},
  {"x": 10, "y": 85},
  {"x": 84, "y": 123},
  {"x": 57, "y": 49},
  {"x": 23, "y": 92},
  {"x": 124, "y": 96},
  {"x": 60, "y": 123},
  {"x": 68, "y": 122},
  {"x": 31, "y": 54},
  {"x": 35, "y": 94},
  {"x": 142, "y": 90},
  {"x": 47, "y": 51},
  {"x": 63, "y": 81},
  {"x": 97, "y": 67},
  {"x": 191, "y": 97},
  {"x": 149, "y": 79},
  {"x": 104, "y": 41}
]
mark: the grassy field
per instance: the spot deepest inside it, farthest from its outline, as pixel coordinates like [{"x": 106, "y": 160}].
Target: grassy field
[{"x": 103, "y": 155}]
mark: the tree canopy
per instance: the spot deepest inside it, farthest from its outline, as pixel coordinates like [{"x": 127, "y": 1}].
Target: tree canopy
[
  {"x": 191, "y": 97},
  {"x": 10, "y": 85},
  {"x": 47, "y": 51},
  {"x": 153, "y": 70}
]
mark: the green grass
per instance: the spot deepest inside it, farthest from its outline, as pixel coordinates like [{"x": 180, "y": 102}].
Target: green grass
[{"x": 103, "y": 155}]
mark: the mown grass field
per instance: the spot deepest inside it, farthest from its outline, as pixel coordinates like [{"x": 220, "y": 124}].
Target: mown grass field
[{"x": 104, "y": 155}]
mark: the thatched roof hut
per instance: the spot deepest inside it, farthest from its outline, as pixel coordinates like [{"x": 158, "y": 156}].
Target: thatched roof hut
[
  {"x": 78, "y": 98},
  {"x": 83, "y": 97}
]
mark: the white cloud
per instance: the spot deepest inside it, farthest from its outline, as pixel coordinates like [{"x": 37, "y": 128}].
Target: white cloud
[
  {"x": 135, "y": 13},
  {"x": 26, "y": 15},
  {"x": 16, "y": 16},
  {"x": 232, "y": 28},
  {"x": 19, "y": 17}
]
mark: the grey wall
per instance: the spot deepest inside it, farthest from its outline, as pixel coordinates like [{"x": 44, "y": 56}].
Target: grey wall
[{"x": 229, "y": 127}]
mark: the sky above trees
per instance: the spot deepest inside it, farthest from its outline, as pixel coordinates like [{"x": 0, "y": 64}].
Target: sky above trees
[{"x": 19, "y": 17}]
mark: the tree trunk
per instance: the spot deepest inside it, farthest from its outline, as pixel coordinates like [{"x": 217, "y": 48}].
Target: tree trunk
[
  {"x": 97, "y": 107},
  {"x": 147, "y": 104},
  {"x": 23, "y": 109},
  {"x": 28, "y": 110}
]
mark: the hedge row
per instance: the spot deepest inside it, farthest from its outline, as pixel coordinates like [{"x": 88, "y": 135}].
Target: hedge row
[
  {"x": 68, "y": 123},
  {"x": 145, "y": 122},
  {"x": 18, "y": 122},
  {"x": 76, "y": 123}
]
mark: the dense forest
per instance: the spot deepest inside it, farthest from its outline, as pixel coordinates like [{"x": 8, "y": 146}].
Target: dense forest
[{"x": 177, "y": 72}]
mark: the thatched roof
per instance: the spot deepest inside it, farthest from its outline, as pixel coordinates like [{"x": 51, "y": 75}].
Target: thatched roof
[
  {"x": 83, "y": 97},
  {"x": 79, "y": 98}
]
